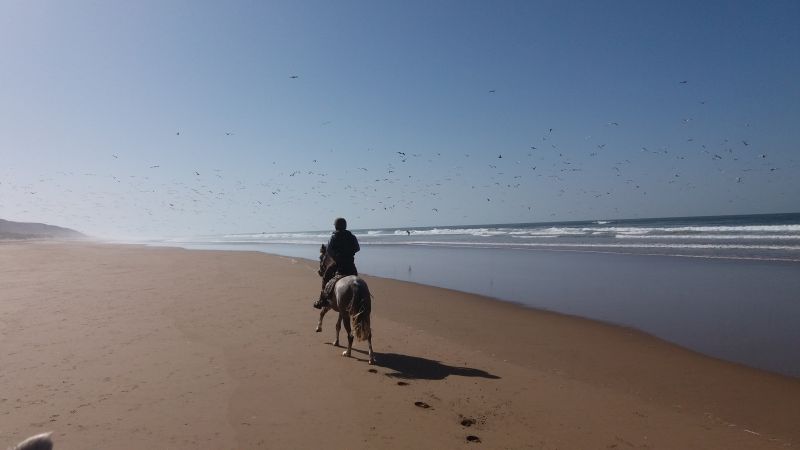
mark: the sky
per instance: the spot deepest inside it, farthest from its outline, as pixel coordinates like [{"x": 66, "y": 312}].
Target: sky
[{"x": 182, "y": 118}]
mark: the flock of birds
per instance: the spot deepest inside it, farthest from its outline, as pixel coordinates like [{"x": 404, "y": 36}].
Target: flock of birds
[{"x": 406, "y": 183}]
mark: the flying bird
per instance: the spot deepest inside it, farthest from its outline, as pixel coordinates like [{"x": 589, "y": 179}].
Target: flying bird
[{"x": 294, "y": 77}]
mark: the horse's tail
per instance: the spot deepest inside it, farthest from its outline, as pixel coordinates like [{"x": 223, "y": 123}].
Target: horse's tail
[{"x": 360, "y": 309}]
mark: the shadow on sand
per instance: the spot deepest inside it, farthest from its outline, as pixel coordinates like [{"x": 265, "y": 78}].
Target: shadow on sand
[{"x": 416, "y": 368}]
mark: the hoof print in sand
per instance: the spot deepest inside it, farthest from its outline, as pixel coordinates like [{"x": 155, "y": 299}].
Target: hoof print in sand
[
  {"x": 467, "y": 422},
  {"x": 422, "y": 405},
  {"x": 473, "y": 438},
  {"x": 372, "y": 370},
  {"x": 402, "y": 383}
]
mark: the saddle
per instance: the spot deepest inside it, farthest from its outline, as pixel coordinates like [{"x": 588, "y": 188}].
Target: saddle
[{"x": 330, "y": 284}]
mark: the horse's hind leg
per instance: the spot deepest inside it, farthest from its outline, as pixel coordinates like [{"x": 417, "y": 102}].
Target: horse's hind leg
[
  {"x": 338, "y": 328},
  {"x": 371, "y": 356},
  {"x": 346, "y": 320},
  {"x": 321, "y": 315}
]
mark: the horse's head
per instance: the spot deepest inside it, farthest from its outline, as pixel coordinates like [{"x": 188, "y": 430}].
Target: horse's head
[{"x": 324, "y": 260}]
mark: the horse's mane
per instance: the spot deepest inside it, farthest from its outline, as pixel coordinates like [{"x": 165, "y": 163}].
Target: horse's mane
[{"x": 325, "y": 260}]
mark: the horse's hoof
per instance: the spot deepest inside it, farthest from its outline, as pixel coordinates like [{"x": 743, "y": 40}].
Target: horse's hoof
[
  {"x": 335, "y": 343},
  {"x": 318, "y": 329},
  {"x": 371, "y": 361},
  {"x": 346, "y": 353}
]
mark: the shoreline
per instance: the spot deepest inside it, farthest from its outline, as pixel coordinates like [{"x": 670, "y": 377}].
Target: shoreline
[
  {"x": 698, "y": 306},
  {"x": 135, "y": 330}
]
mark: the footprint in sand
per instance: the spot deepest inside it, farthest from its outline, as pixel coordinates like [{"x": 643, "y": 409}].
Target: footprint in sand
[
  {"x": 467, "y": 422},
  {"x": 402, "y": 383},
  {"x": 422, "y": 405},
  {"x": 473, "y": 438},
  {"x": 373, "y": 371}
]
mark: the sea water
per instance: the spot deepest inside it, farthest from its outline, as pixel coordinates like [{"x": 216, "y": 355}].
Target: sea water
[{"x": 728, "y": 287}]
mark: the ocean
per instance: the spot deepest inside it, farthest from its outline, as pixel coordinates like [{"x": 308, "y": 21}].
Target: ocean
[
  {"x": 767, "y": 236},
  {"x": 724, "y": 286}
]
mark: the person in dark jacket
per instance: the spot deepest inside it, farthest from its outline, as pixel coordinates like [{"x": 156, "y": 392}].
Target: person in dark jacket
[{"x": 342, "y": 248}]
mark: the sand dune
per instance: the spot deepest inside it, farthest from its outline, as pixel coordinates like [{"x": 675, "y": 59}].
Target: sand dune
[{"x": 22, "y": 230}]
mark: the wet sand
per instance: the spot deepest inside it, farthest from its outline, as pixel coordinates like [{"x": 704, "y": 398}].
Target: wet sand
[
  {"x": 130, "y": 347},
  {"x": 740, "y": 310}
]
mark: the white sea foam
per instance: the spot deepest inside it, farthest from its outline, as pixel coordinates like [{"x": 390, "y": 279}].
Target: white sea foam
[
  {"x": 589, "y": 230},
  {"x": 743, "y": 237},
  {"x": 609, "y": 245},
  {"x": 793, "y": 228},
  {"x": 451, "y": 231},
  {"x": 602, "y": 235},
  {"x": 272, "y": 236},
  {"x": 481, "y": 235},
  {"x": 736, "y": 232}
]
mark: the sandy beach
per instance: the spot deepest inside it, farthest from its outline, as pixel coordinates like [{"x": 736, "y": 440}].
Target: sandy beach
[{"x": 129, "y": 347}]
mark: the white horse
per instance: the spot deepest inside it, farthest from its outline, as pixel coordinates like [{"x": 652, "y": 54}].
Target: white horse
[{"x": 352, "y": 300}]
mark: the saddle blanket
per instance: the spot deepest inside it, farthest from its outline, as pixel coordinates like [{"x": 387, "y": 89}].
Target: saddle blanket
[{"x": 331, "y": 283}]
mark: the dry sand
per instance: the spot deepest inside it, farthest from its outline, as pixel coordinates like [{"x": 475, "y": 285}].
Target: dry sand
[{"x": 127, "y": 347}]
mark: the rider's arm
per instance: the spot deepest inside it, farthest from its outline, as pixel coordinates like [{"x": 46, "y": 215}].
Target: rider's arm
[{"x": 331, "y": 248}]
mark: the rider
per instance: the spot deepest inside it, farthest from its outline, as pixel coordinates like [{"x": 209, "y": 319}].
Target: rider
[{"x": 342, "y": 247}]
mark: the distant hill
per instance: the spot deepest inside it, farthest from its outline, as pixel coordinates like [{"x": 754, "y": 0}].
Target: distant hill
[{"x": 20, "y": 230}]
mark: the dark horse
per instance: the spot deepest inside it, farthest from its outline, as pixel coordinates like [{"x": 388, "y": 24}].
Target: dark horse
[{"x": 352, "y": 300}]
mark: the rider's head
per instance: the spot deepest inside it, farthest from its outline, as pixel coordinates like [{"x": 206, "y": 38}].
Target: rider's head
[{"x": 340, "y": 224}]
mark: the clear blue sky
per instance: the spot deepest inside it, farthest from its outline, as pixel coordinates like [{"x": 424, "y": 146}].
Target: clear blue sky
[{"x": 635, "y": 109}]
